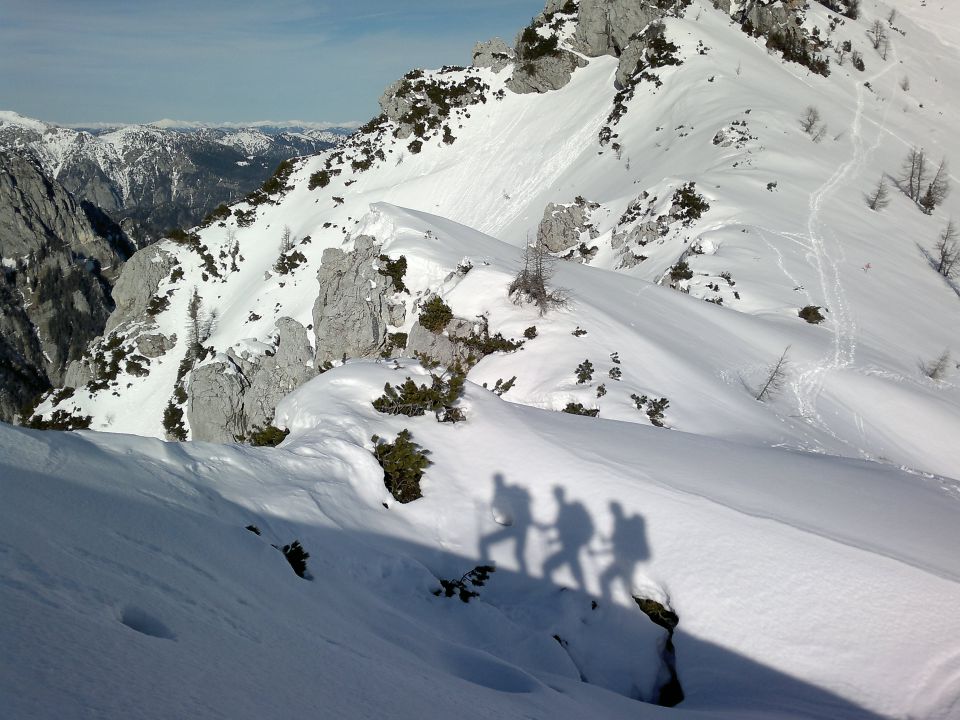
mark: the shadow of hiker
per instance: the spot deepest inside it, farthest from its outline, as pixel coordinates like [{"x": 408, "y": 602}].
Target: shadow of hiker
[
  {"x": 574, "y": 529},
  {"x": 628, "y": 546},
  {"x": 511, "y": 509}
]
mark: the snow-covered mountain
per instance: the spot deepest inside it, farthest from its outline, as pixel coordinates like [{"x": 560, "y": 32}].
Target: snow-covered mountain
[
  {"x": 753, "y": 361},
  {"x": 160, "y": 176}
]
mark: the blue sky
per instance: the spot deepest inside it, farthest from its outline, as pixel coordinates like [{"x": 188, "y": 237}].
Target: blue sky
[{"x": 73, "y": 61}]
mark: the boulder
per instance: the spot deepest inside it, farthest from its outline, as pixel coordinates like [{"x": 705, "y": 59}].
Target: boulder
[
  {"x": 563, "y": 226},
  {"x": 354, "y": 307},
  {"x": 239, "y": 391},
  {"x": 215, "y": 402},
  {"x": 544, "y": 74},
  {"x": 494, "y": 54},
  {"x": 441, "y": 347},
  {"x": 138, "y": 283}
]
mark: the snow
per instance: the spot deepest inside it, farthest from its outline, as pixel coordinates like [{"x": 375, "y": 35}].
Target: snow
[
  {"x": 807, "y": 542},
  {"x": 773, "y": 561}
]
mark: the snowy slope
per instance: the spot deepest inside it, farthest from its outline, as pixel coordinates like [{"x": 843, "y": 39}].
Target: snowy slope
[
  {"x": 855, "y": 387},
  {"x": 806, "y": 542},
  {"x": 790, "y": 573}
]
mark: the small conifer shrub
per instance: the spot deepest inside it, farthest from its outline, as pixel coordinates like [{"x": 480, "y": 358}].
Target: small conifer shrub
[
  {"x": 476, "y": 578},
  {"x": 415, "y": 400},
  {"x": 584, "y": 372},
  {"x": 681, "y": 271},
  {"x": 269, "y": 436},
  {"x": 395, "y": 270},
  {"x": 297, "y": 557},
  {"x": 173, "y": 422},
  {"x": 403, "y": 463},
  {"x": 435, "y": 314},
  {"x": 578, "y": 409},
  {"x": 530, "y": 333}
]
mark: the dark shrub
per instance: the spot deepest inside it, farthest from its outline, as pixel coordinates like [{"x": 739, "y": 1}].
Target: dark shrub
[
  {"x": 812, "y": 314},
  {"x": 435, "y": 314},
  {"x": 297, "y": 557},
  {"x": 403, "y": 463}
]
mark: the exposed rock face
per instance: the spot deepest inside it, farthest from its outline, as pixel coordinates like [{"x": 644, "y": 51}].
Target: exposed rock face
[
  {"x": 138, "y": 283},
  {"x": 494, "y": 54},
  {"x": 239, "y": 392},
  {"x": 606, "y": 27},
  {"x": 59, "y": 260},
  {"x": 215, "y": 402},
  {"x": 351, "y": 314},
  {"x": 419, "y": 103},
  {"x": 563, "y": 226},
  {"x": 544, "y": 74},
  {"x": 442, "y": 347},
  {"x": 767, "y": 15}
]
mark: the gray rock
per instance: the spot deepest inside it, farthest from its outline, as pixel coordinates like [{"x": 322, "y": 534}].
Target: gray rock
[
  {"x": 230, "y": 398},
  {"x": 396, "y": 104},
  {"x": 155, "y": 345},
  {"x": 606, "y": 27},
  {"x": 494, "y": 54},
  {"x": 277, "y": 376},
  {"x": 442, "y": 347},
  {"x": 563, "y": 226},
  {"x": 138, "y": 283},
  {"x": 351, "y": 314},
  {"x": 544, "y": 74},
  {"x": 55, "y": 290},
  {"x": 766, "y": 15},
  {"x": 215, "y": 402}
]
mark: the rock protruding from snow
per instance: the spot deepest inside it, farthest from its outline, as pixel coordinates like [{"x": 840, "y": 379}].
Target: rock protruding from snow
[
  {"x": 239, "y": 392},
  {"x": 138, "y": 283},
  {"x": 61, "y": 257},
  {"x": 563, "y": 226},
  {"x": 445, "y": 348},
  {"x": 544, "y": 74},
  {"x": 606, "y": 27},
  {"x": 494, "y": 54},
  {"x": 351, "y": 314}
]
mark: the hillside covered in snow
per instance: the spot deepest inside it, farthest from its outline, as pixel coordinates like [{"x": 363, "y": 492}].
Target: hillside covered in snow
[{"x": 712, "y": 459}]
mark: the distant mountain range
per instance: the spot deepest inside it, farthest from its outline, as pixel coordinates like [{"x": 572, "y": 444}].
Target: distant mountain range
[{"x": 166, "y": 174}]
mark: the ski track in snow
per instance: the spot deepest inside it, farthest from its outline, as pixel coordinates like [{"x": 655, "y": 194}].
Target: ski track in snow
[{"x": 827, "y": 260}]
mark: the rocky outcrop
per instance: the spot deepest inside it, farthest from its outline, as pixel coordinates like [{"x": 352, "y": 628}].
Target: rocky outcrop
[
  {"x": 138, "y": 283},
  {"x": 59, "y": 259},
  {"x": 419, "y": 103},
  {"x": 351, "y": 314},
  {"x": 606, "y": 27},
  {"x": 565, "y": 226},
  {"x": 544, "y": 74},
  {"x": 443, "y": 347},
  {"x": 239, "y": 391},
  {"x": 765, "y": 15},
  {"x": 494, "y": 54}
]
